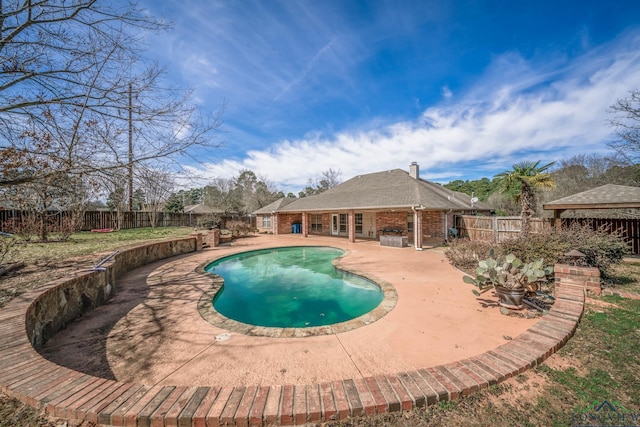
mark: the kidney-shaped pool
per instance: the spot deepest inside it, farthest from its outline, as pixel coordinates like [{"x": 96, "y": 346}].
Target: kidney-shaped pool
[{"x": 291, "y": 287}]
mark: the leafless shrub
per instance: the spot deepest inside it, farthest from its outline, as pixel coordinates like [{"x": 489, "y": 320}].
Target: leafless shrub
[{"x": 239, "y": 228}]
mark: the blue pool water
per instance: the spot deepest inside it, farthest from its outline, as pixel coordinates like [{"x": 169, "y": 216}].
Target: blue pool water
[{"x": 291, "y": 287}]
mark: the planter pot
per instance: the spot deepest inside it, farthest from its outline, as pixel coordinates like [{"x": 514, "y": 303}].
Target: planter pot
[{"x": 510, "y": 298}]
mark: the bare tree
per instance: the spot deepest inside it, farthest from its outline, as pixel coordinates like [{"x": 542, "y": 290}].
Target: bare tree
[
  {"x": 113, "y": 185},
  {"x": 43, "y": 202},
  {"x": 74, "y": 92},
  {"x": 331, "y": 177},
  {"x": 243, "y": 194},
  {"x": 586, "y": 171},
  {"x": 218, "y": 194},
  {"x": 157, "y": 186},
  {"x": 626, "y": 122}
]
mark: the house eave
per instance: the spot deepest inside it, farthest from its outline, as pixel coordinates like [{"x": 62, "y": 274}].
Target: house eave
[{"x": 591, "y": 206}]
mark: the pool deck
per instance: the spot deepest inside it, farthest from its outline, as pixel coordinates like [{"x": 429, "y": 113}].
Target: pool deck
[{"x": 439, "y": 342}]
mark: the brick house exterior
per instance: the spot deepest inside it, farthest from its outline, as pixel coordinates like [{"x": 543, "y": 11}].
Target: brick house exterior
[{"x": 370, "y": 206}]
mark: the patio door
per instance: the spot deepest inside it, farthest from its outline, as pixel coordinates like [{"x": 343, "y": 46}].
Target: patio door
[{"x": 335, "y": 225}]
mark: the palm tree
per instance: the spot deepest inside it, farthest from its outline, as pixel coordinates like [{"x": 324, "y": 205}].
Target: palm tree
[{"x": 529, "y": 177}]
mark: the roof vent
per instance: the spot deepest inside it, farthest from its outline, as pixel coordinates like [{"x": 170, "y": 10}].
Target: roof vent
[{"x": 414, "y": 170}]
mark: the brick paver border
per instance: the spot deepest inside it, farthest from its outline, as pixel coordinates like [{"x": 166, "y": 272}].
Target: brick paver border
[{"x": 62, "y": 392}]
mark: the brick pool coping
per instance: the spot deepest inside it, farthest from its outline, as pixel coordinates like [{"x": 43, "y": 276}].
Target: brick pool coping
[{"x": 65, "y": 393}]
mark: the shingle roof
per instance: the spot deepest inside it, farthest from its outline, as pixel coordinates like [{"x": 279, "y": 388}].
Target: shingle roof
[
  {"x": 275, "y": 206},
  {"x": 607, "y": 196},
  {"x": 201, "y": 209},
  {"x": 384, "y": 190}
]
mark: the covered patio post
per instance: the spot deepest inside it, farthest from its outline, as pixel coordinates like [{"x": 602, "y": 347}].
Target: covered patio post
[
  {"x": 352, "y": 226},
  {"x": 305, "y": 224},
  {"x": 417, "y": 229}
]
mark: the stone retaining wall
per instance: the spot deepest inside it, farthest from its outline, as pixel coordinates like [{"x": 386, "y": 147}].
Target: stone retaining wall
[
  {"x": 69, "y": 394},
  {"x": 61, "y": 301}
]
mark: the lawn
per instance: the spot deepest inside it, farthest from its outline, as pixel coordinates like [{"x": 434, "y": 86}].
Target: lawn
[
  {"x": 48, "y": 261},
  {"x": 600, "y": 363},
  {"x": 88, "y": 243}
]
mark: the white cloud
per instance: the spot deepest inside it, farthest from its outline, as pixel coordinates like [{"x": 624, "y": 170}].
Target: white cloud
[
  {"x": 446, "y": 92},
  {"x": 550, "y": 111}
]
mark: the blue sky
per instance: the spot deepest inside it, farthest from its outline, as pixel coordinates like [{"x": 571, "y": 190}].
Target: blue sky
[{"x": 464, "y": 88}]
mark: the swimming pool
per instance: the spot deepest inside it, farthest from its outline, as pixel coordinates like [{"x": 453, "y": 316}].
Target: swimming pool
[{"x": 291, "y": 287}]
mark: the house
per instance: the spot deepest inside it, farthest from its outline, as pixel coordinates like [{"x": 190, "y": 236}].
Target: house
[
  {"x": 394, "y": 202},
  {"x": 202, "y": 209}
]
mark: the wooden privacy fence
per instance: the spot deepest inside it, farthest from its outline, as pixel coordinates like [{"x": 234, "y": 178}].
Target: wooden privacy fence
[
  {"x": 499, "y": 229},
  {"x": 628, "y": 228},
  {"x": 495, "y": 228},
  {"x": 106, "y": 219}
]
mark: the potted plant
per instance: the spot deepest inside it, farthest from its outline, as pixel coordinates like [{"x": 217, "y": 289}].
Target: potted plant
[{"x": 509, "y": 276}]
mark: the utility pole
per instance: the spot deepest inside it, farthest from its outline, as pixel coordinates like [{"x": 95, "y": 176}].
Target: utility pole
[{"x": 130, "y": 165}]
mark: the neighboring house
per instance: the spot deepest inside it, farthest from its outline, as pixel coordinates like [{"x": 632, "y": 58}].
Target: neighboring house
[
  {"x": 368, "y": 206},
  {"x": 201, "y": 209}
]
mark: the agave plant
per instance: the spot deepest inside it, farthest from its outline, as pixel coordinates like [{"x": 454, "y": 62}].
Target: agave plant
[{"x": 507, "y": 272}]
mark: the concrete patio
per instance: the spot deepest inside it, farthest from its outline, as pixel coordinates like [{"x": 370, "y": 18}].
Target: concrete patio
[{"x": 164, "y": 340}]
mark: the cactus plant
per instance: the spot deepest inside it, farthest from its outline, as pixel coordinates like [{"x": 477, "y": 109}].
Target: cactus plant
[{"x": 507, "y": 272}]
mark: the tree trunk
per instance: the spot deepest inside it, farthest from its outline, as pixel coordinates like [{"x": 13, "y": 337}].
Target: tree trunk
[
  {"x": 43, "y": 226},
  {"x": 525, "y": 214}
]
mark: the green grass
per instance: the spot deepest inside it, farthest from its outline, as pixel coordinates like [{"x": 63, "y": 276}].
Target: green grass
[
  {"x": 604, "y": 364},
  {"x": 88, "y": 243}
]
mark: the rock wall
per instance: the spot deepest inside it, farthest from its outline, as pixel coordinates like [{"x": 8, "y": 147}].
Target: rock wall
[{"x": 68, "y": 298}]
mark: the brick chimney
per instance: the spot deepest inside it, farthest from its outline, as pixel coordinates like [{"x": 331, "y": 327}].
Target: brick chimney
[{"x": 414, "y": 170}]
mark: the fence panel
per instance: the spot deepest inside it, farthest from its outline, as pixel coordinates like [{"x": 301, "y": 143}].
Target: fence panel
[
  {"x": 495, "y": 228},
  {"x": 499, "y": 229},
  {"x": 628, "y": 228},
  {"x": 98, "y": 220}
]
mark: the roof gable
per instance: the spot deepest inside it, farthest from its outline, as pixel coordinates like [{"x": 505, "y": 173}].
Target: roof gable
[
  {"x": 275, "y": 206},
  {"x": 605, "y": 196},
  {"x": 201, "y": 209}
]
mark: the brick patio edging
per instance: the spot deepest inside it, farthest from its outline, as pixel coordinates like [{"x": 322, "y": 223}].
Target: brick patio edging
[{"x": 65, "y": 393}]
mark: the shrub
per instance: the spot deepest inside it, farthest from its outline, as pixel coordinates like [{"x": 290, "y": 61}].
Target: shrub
[
  {"x": 549, "y": 245},
  {"x": 464, "y": 253},
  {"x": 603, "y": 248},
  {"x": 239, "y": 228},
  {"x": 209, "y": 222}
]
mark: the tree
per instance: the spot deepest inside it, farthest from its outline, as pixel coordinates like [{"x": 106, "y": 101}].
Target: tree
[
  {"x": 243, "y": 194},
  {"x": 174, "y": 202},
  {"x": 113, "y": 185},
  {"x": 77, "y": 98},
  {"x": 626, "y": 122},
  {"x": 586, "y": 171},
  {"x": 330, "y": 178},
  {"x": 526, "y": 176},
  {"x": 219, "y": 194},
  {"x": 42, "y": 203},
  {"x": 481, "y": 188},
  {"x": 139, "y": 197},
  {"x": 158, "y": 185}
]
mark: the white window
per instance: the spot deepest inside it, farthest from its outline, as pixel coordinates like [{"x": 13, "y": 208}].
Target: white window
[
  {"x": 410, "y": 222},
  {"x": 316, "y": 222},
  {"x": 358, "y": 223},
  {"x": 266, "y": 221},
  {"x": 343, "y": 223}
]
